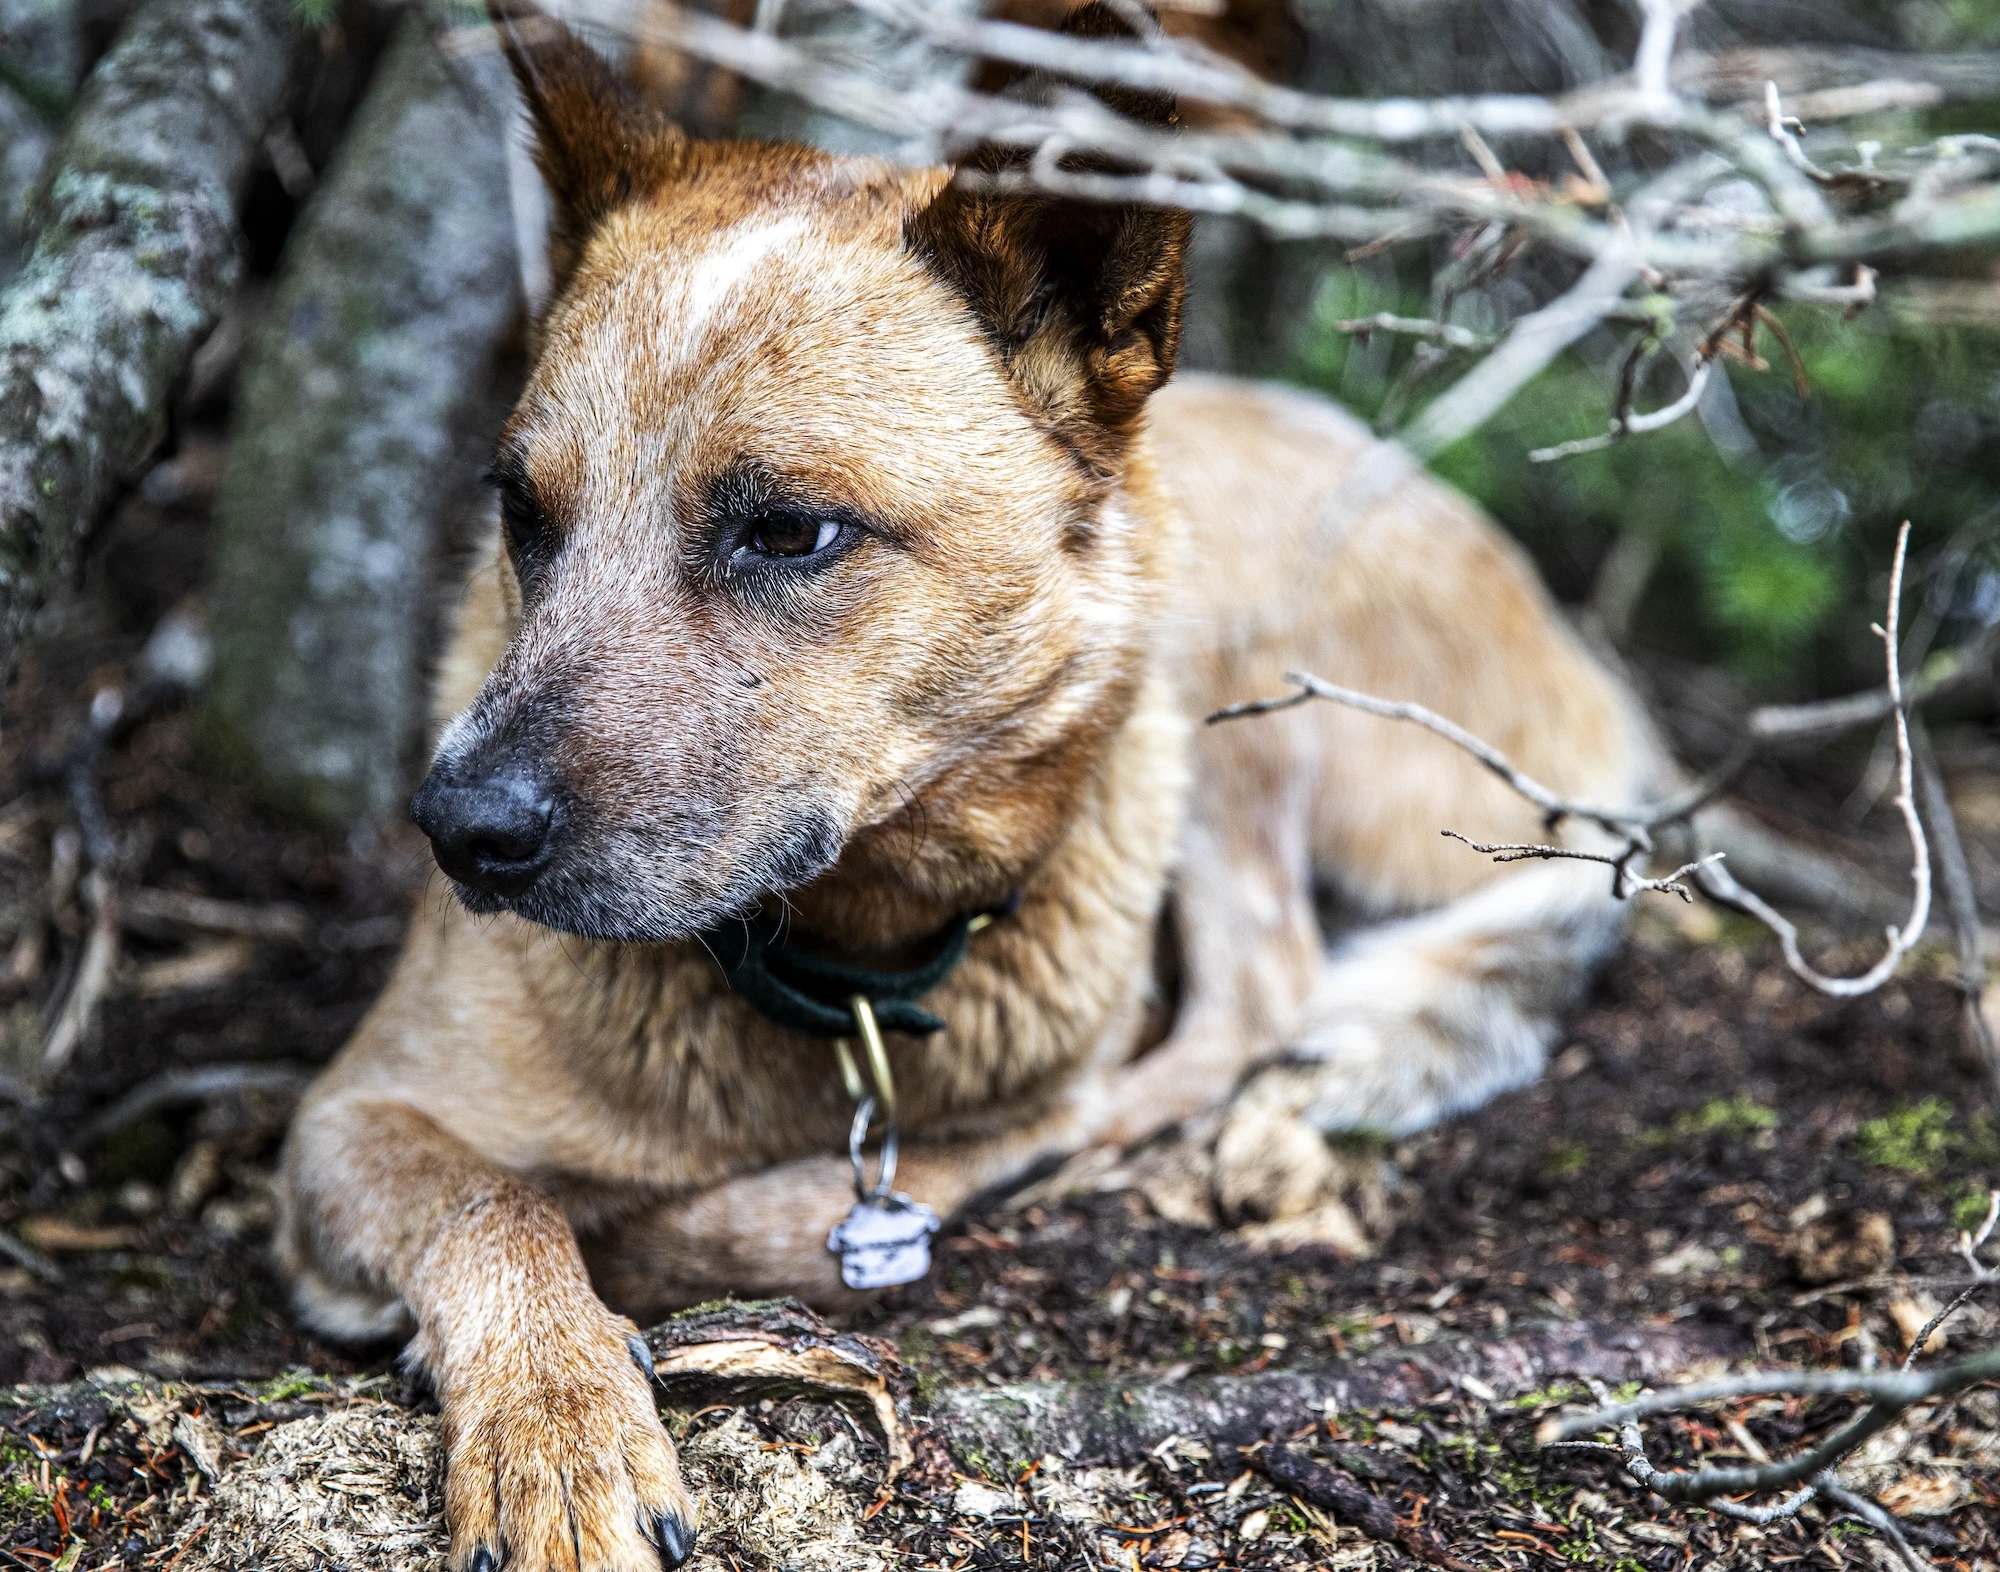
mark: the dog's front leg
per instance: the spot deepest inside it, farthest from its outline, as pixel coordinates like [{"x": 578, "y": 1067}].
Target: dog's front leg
[
  {"x": 766, "y": 1233},
  {"x": 555, "y": 1455}
]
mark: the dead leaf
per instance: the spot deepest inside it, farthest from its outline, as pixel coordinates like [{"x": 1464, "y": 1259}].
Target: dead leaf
[
  {"x": 1926, "y": 1494},
  {"x": 201, "y": 1438},
  {"x": 1911, "y": 1316}
]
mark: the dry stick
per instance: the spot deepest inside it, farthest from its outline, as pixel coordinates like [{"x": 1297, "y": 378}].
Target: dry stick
[
  {"x": 1780, "y": 128},
  {"x": 93, "y": 976},
  {"x": 177, "y": 1088},
  {"x": 1942, "y": 676},
  {"x": 1627, "y": 422},
  {"x": 1876, "y": 1517},
  {"x": 1717, "y": 880},
  {"x": 1653, "y": 60},
  {"x": 1961, "y": 900},
  {"x": 1624, "y": 883},
  {"x": 1898, "y": 1388},
  {"x": 1418, "y": 327},
  {"x": 37, "y": 1265},
  {"x": 1969, "y": 1246}
]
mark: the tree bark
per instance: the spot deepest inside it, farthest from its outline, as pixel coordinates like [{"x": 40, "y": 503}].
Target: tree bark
[
  {"x": 367, "y": 398},
  {"x": 136, "y": 258},
  {"x": 41, "y": 57},
  {"x": 1119, "y": 1422}
]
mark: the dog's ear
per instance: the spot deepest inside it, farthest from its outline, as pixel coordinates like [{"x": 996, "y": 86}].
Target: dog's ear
[
  {"x": 597, "y": 143},
  {"x": 1081, "y": 299}
]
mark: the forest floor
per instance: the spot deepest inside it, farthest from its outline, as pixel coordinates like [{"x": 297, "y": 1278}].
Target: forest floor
[{"x": 1715, "y": 1148}]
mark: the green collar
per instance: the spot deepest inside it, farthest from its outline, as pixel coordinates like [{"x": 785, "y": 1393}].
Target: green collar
[{"x": 811, "y": 993}]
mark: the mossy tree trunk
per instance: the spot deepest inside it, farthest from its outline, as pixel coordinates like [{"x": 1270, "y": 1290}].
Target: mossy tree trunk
[
  {"x": 368, "y": 397},
  {"x": 135, "y": 260},
  {"x": 41, "y": 58}
]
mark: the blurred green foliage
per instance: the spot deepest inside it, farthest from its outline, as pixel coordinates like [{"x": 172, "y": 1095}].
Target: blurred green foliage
[{"x": 1773, "y": 541}]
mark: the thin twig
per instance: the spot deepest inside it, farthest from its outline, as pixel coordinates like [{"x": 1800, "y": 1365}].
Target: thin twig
[
  {"x": 155, "y": 912},
  {"x": 1960, "y": 898},
  {"x": 31, "y": 1260},
  {"x": 1624, "y": 883},
  {"x": 1629, "y": 422},
  {"x": 1418, "y": 327},
  {"x": 1717, "y": 880},
  {"x": 1877, "y": 1518},
  {"x": 177, "y": 1088},
  {"x": 101, "y": 949},
  {"x": 1969, "y": 664},
  {"x": 1780, "y": 127},
  {"x": 1891, "y": 1387}
]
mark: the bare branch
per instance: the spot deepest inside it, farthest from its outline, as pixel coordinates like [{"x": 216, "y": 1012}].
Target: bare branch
[
  {"x": 1876, "y": 1518},
  {"x": 1418, "y": 327},
  {"x": 1625, "y": 424},
  {"x": 1717, "y": 881},
  {"x": 1961, "y": 900},
  {"x": 1624, "y": 883},
  {"x": 1634, "y": 825},
  {"x": 1785, "y": 133},
  {"x": 1899, "y": 1388}
]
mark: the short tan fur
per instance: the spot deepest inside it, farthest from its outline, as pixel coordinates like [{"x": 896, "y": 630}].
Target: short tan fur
[{"x": 1044, "y": 569}]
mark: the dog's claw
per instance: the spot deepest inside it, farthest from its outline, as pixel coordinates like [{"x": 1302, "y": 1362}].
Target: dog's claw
[
  {"x": 642, "y": 1356},
  {"x": 676, "y": 1540},
  {"x": 483, "y": 1561}
]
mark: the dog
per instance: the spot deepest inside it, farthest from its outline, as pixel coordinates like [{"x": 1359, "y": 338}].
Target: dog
[{"x": 859, "y": 587}]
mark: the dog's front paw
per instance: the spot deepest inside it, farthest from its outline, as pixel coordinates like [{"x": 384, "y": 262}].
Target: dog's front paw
[{"x": 555, "y": 1455}]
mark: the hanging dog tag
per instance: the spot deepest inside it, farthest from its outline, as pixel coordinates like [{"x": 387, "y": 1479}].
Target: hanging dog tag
[{"x": 884, "y": 1242}]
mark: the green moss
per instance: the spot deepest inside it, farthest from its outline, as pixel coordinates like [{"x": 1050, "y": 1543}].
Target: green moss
[
  {"x": 1737, "y": 1118},
  {"x": 1969, "y": 1211},
  {"x": 294, "y": 1383},
  {"x": 21, "y": 1501},
  {"x": 1917, "y": 1138},
  {"x": 918, "y": 1350},
  {"x": 1566, "y": 1160}
]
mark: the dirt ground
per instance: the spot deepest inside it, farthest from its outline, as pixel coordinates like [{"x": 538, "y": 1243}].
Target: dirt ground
[{"x": 1715, "y": 1146}]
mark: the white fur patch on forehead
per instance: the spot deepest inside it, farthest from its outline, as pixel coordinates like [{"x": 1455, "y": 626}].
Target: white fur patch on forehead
[{"x": 723, "y": 271}]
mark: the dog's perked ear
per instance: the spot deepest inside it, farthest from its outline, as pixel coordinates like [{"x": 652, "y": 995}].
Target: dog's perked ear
[
  {"x": 1081, "y": 299},
  {"x": 597, "y": 143}
]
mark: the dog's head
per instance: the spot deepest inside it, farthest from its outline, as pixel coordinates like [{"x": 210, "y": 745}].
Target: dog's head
[{"x": 817, "y": 548}]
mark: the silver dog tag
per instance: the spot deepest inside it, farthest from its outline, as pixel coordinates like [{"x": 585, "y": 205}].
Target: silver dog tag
[{"x": 884, "y": 1242}]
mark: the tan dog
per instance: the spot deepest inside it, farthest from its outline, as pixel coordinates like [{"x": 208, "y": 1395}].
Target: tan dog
[{"x": 852, "y": 570}]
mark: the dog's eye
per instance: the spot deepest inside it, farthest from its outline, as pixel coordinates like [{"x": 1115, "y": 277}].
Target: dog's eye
[
  {"x": 527, "y": 529},
  {"x": 529, "y": 535},
  {"x": 789, "y": 534}
]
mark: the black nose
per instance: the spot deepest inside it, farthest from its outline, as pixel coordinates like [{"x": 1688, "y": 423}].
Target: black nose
[{"x": 493, "y": 833}]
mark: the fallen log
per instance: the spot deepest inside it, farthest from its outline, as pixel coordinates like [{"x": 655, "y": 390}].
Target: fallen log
[
  {"x": 135, "y": 260},
  {"x": 369, "y": 398},
  {"x": 1120, "y": 1422},
  {"x": 308, "y": 1472}
]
